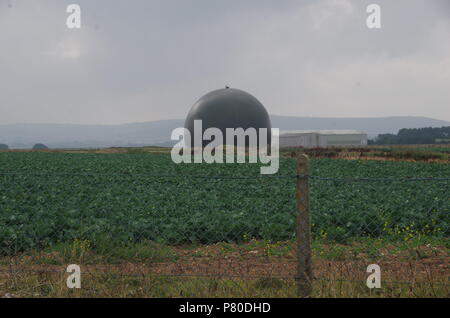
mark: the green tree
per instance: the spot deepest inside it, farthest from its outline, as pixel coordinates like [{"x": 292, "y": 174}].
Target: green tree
[{"x": 39, "y": 147}]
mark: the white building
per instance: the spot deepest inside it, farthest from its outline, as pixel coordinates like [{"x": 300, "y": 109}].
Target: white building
[{"x": 322, "y": 138}]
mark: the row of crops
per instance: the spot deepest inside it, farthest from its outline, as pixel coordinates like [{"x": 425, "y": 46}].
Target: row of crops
[{"x": 47, "y": 198}]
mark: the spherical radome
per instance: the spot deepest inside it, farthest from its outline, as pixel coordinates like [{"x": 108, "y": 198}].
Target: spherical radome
[{"x": 228, "y": 108}]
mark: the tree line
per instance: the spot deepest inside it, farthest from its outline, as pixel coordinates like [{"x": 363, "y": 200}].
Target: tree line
[
  {"x": 413, "y": 136},
  {"x": 35, "y": 147}
]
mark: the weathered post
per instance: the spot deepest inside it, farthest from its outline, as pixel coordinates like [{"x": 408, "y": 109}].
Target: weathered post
[{"x": 304, "y": 266}]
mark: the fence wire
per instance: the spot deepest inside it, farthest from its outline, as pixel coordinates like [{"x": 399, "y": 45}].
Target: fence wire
[{"x": 224, "y": 227}]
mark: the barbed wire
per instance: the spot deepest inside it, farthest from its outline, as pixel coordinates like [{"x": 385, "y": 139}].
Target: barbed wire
[{"x": 224, "y": 276}]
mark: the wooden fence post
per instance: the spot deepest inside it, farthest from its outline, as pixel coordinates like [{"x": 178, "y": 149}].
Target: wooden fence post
[{"x": 304, "y": 267}]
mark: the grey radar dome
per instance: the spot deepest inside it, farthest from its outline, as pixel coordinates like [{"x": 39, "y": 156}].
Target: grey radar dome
[{"x": 228, "y": 108}]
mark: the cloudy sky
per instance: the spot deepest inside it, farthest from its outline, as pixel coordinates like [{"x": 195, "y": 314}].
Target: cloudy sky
[{"x": 144, "y": 60}]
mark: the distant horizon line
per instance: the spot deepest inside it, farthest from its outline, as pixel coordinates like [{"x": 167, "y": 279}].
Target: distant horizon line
[{"x": 178, "y": 119}]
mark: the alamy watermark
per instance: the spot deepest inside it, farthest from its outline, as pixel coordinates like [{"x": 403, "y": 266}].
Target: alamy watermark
[
  {"x": 373, "y": 20},
  {"x": 374, "y": 279},
  {"x": 74, "y": 19},
  {"x": 251, "y": 140},
  {"x": 74, "y": 279}
]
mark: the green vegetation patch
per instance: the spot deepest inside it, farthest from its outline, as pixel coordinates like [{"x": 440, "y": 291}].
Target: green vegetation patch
[{"x": 52, "y": 199}]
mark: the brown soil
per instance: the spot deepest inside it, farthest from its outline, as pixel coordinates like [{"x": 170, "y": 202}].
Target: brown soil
[
  {"x": 418, "y": 271},
  {"x": 248, "y": 261}
]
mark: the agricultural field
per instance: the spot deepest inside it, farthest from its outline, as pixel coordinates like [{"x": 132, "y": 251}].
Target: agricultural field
[
  {"x": 49, "y": 198},
  {"x": 126, "y": 213}
]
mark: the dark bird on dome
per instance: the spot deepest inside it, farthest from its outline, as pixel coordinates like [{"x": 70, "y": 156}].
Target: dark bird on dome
[{"x": 227, "y": 87}]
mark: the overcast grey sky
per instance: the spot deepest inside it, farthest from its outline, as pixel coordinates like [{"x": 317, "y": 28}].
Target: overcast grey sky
[{"x": 146, "y": 60}]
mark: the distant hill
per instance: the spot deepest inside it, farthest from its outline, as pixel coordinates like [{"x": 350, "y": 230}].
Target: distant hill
[
  {"x": 86, "y": 136},
  {"x": 157, "y": 133},
  {"x": 372, "y": 126}
]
